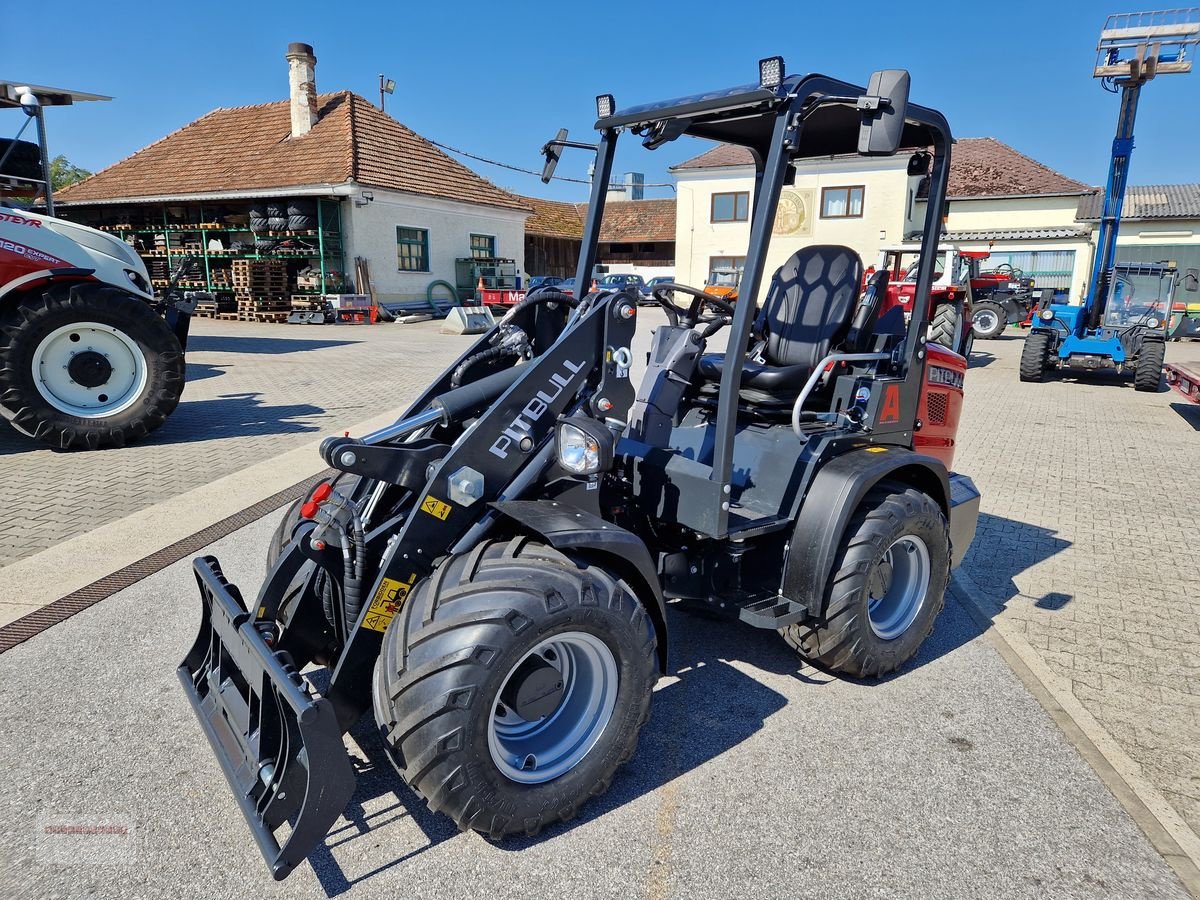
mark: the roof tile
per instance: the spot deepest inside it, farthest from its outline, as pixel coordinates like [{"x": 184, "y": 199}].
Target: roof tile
[
  {"x": 979, "y": 167},
  {"x": 251, "y": 148}
]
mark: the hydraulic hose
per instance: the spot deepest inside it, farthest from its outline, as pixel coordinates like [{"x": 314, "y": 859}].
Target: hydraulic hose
[{"x": 492, "y": 353}]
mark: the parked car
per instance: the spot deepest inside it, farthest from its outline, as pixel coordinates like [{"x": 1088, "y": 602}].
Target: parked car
[
  {"x": 567, "y": 286},
  {"x": 618, "y": 282},
  {"x": 538, "y": 281}
]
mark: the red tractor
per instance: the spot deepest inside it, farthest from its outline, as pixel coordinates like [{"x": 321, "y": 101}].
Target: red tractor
[{"x": 949, "y": 295}]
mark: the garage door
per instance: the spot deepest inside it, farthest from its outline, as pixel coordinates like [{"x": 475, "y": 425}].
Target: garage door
[{"x": 1048, "y": 268}]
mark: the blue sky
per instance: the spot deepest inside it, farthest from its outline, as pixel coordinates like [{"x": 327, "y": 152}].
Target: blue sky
[{"x": 498, "y": 79}]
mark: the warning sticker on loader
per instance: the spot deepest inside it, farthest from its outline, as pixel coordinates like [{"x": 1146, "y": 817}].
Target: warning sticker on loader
[
  {"x": 436, "y": 507},
  {"x": 387, "y": 602}
]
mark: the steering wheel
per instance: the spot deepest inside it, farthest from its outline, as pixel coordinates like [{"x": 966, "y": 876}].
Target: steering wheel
[{"x": 690, "y": 316}]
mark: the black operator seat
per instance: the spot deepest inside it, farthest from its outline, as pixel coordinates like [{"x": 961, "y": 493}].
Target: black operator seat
[{"x": 807, "y": 312}]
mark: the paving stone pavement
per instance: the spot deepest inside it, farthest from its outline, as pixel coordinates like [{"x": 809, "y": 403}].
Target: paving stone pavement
[
  {"x": 254, "y": 391},
  {"x": 1087, "y": 545}
]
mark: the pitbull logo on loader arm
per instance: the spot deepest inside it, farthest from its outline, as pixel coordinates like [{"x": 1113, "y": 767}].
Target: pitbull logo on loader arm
[{"x": 522, "y": 425}]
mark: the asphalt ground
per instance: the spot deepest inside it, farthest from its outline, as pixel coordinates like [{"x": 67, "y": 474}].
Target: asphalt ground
[{"x": 755, "y": 777}]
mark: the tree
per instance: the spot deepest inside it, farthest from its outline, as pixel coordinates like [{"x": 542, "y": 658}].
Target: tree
[{"x": 63, "y": 172}]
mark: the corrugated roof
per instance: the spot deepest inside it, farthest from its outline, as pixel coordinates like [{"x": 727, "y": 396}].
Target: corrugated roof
[
  {"x": 1147, "y": 201},
  {"x": 624, "y": 220},
  {"x": 979, "y": 167},
  {"x": 1010, "y": 234},
  {"x": 251, "y": 148}
]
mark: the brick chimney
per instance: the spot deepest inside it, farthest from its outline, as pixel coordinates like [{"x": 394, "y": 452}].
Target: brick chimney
[{"x": 302, "y": 79}]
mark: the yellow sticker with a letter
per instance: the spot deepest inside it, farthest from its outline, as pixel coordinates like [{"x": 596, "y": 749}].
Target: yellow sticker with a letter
[
  {"x": 436, "y": 507},
  {"x": 387, "y": 602}
]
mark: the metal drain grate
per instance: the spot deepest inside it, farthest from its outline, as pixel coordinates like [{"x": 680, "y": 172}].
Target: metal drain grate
[{"x": 63, "y": 608}]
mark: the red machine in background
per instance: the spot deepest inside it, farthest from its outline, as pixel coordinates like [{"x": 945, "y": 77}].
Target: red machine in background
[{"x": 949, "y": 295}]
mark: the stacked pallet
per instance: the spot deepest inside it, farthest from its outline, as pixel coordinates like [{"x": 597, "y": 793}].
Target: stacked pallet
[{"x": 261, "y": 289}]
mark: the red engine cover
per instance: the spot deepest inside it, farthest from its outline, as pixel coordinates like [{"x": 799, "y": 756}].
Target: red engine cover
[{"x": 941, "y": 404}]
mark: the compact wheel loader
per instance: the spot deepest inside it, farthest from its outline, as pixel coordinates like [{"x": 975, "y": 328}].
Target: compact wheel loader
[{"x": 488, "y": 577}]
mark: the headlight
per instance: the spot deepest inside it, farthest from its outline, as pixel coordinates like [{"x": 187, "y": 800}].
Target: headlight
[
  {"x": 584, "y": 445},
  {"x": 1152, "y": 323},
  {"x": 578, "y": 451},
  {"x": 1046, "y": 315}
]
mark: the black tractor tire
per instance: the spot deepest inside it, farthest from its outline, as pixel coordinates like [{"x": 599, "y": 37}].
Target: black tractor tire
[
  {"x": 993, "y": 318},
  {"x": 32, "y": 319},
  {"x": 1035, "y": 357},
  {"x": 1148, "y": 375},
  {"x": 448, "y": 652},
  {"x": 944, "y": 327},
  {"x": 844, "y": 640}
]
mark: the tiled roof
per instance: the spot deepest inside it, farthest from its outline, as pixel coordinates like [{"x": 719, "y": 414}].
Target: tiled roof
[
  {"x": 718, "y": 156},
  {"x": 639, "y": 220},
  {"x": 250, "y": 148},
  {"x": 979, "y": 167},
  {"x": 624, "y": 220},
  {"x": 985, "y": 167},
  {"x": 553, "y": 218},
  {"x": 1147, "y": 201}
]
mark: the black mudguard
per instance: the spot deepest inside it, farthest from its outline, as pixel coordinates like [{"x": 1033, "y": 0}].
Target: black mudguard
[
  {"x": 568, "y": 528},
  {"x": 836, "y": 492},
  {"x": 280, "y": 748}
]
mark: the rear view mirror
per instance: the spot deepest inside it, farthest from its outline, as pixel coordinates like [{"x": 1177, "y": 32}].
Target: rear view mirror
[
  {"x": 1191, "y": 280},
  {"x": 552, "y": 150},
  {"x": 883, "y": 109}
]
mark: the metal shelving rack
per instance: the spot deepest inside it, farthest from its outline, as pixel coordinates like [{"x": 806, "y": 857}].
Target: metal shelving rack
[{"x": 329, "y": 252}]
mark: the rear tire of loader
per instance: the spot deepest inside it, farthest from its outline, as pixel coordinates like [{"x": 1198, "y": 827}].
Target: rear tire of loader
[
  {"x": 81, "y": 349},
  {"x": 1148, "y": 375},
  {"x": 886, "y": 589},
  {"x": 444, "y": 685},
  {"x": 1035, "y": 357}
]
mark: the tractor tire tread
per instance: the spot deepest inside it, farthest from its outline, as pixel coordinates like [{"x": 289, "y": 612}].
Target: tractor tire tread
[
  {"x": 457, "y": 629},
  {"x": 1035, "y": 355},
  {"x": 1148, "y": 374},
  {"x": 841, "y": 641},
  {"x": 26, "y": 409}
]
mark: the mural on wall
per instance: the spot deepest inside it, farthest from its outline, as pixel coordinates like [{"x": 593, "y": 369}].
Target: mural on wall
[{"x": 794, "y": 214}]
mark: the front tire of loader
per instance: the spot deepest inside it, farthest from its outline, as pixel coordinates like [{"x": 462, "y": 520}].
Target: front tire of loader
[
  {"x": 1148, "y": 374},
  {"x": 1035, "y": 357},
  {"x": 87, "y": 365},
  {"x": 512, "y": 684},
  {"x": 887, "y": 586}
]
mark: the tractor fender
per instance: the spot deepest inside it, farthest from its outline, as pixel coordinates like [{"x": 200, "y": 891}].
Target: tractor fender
[
  {"x": 835, "y": 493},
  {"x": 572, "y": 530},
  {"x": 32, "y": 280}
]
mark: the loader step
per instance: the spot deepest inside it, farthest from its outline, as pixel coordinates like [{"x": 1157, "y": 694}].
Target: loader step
[{"x": 773, "y": 612}]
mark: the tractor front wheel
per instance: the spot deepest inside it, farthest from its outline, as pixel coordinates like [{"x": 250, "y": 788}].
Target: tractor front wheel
[
  {"x": 1149, "y": 366},
  {"x": 87, "y": 366},
  {"x": 887, "y": 587},
  {"x": 512, "y": 684},
  {"x": 988, "y": 320},
  {"x": 1035, "y": 357}
]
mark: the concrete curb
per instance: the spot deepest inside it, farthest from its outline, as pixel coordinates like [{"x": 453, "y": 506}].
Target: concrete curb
[
  {"x": 1166, "y": 829},
  {"x": 33, "y": 582}
]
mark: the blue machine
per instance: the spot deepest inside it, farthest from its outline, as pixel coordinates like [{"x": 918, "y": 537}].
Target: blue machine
[{"x": 1122, "y": 322}]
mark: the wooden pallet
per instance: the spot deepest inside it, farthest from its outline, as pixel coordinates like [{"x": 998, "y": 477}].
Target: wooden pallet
[{"x": 269, "y": 317}]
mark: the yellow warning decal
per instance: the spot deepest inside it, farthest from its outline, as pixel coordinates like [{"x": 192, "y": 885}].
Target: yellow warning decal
[
  {"x": 876, "y": 449},
  {"x": 436, "y": 507},
  {"x": 387, "y": 602}
]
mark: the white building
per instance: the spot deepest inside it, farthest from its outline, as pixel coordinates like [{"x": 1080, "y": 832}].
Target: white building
[
  {"x": 1000, "y": 200},
  {"x": 376, "y": 191}
]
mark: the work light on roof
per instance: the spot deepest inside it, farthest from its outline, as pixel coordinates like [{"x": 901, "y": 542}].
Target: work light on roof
[
  {"x": 770, "y": 71},
  {"x": 605, "y": 106}
]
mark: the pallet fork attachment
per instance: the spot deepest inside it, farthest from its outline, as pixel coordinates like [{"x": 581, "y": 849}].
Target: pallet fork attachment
[{"x": 280, "y": 748}]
